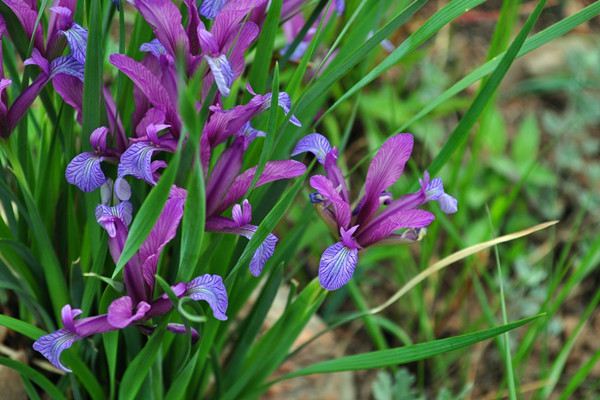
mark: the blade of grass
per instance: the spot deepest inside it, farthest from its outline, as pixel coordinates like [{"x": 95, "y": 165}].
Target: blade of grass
[
  {"x": 259, "y": 71},
  {"x": 461, "y": 132},
  {"x": 441, "y": 18},
  {"x": 403, "y": 355},
  {"x": 536, "y": 41},
  {"x": 34, "y": 376},
  {"x": 139, "y": 368}
]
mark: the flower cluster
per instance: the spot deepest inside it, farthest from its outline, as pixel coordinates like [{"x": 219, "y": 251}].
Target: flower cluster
[
  {"x": 213, "y": 41},
  {"x": 364, "y": 225},
  {"x": 157, "y": 128}
]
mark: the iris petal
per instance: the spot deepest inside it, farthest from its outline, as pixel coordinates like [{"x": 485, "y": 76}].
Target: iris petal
[
  {"x": 337, "y": 266},
  {"x": 314, "y": 143},
  {"x": 52, "y": 345},
  {"x": 84, "y": 172},
  {"x": 211, "y": 289}
]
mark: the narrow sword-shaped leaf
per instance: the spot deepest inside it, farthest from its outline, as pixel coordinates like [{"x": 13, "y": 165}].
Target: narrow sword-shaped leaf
[{"x": 406, "y": 354}]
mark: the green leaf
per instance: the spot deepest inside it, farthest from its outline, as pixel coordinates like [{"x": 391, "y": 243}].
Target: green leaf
[
  {"x": 407, "y": 354},
  {"x": 259, "y": 71},
  {"x": 340, "y": 66},
  {"x": 538, "y": 40},
  {"x": 443, "y": 17},
  {"x": 267, "y": 149},
  {"x": 270, "y": 351},
  {"x": 461, "y": 132},
  {"x": 92, "y": 83},
  {"x": 139, "y": 368},
  {"x": 34, "y": 376}
]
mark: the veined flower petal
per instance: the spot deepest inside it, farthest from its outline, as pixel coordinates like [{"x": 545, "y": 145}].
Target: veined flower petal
[
  {"x": 263, "y": 252},
  {"x": 341, "y": 208},
  {"x": 273, "y": 171},
  {"x": 337, "y": 266},
  {"x": 222, "y": 72},
  {"x": 137, "y": 161},
  {"x": 211, "y": 289},
  {"x": 314, "y": 143},
  {"x": 107, "y": 216},
  {"x": 67, "y": 65},
  {"x": 384, "y": 227},
  {"x": 385, "y": 169},
  {"x": 210, "y": 8},
  {"x": 77, "y": 39},
  {"x": 154, "y": 47},
  {"x": 84, "y": 172},
  {"x": 52, "y": 345}
]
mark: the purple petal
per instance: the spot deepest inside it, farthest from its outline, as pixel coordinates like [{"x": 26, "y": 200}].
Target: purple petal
[
  {"x": 210, "y": 8},
  {"x": 211, "y": 289},
  {"x": 385, "y": 169},
  {"x": 273, "y": 171},
  {"x": 263, "y": 252},
  {"x": 237, "y": 48},
  {"x": 335, "y": 175},
  {"x": 192, "y": 26},
  {"x": 67, "y": 65},
  {"x": 340, "y": 6},
  {"x": 434, "y": 191},
  {"x": 51, "y": 346},
  {"x": 341, "y": 208},
  {"x": 285, "y": 103},
  {"x": 39, "y": 60},
  {"x": 27, "y": 14},
  {"x": 165, "y": 19},
  {"x": 77, "y": 39},
  {"x": 98, "y": 138},
  {"x": 242, "y": 213},
  {"x": 122, "y": 189},
  {"x": 448, "y": 204},
  {"x": 84, "y": 172},
  {"x": 337, "y": 266},
  {"x": 223, "y": 175},
  {"x": 120, "y": 312},
  {"x": 108, "y": 216},
  {"x": 154, "y": 47},
  {"x": 71, "y": 90},
  {"x": 166, "y": 225},
  {"x": 144, "y": 79},
  {"x": 314, "y": 143},
  {"x": 222, "y": 72},
  {"x": 137, "y": 161},
  {"x": 68, "y": 316},
  {"x": 23, "y": 102},
  {"x": 180, "y": 329},
  {"x": 397, "y": 220}
]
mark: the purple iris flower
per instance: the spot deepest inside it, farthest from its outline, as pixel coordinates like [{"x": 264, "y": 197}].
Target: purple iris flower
[
  {"x": 138, "y": 306},
  {"x": 367, "y": 225},
  {"x": 84, "y": 170}
]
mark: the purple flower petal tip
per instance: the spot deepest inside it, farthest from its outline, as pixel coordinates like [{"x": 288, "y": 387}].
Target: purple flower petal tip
[
  {"x": 108, "y": 216},
  {"x": 84, "y": 171},
  {"x": 121, "y": 313},
  {"x": 262, "y": 254},
  {"x": 314, "y": 143},
  {"x": 448, "y": 204},
  {"x": 137, "y": 161},
  {"x": 52, "y": 345},
  {"x": 210, "y": 8},
  {"x": 337, "y": 266},
  {"x": 222, "y": 72},
  {"x": 211, "y": 289},
  {"x": 77, "y": 39}
]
